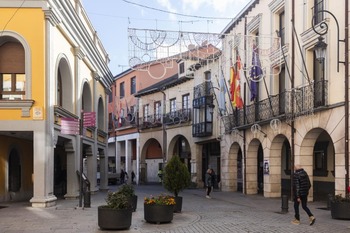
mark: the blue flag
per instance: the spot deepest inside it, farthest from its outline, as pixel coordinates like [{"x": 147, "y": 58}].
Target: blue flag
[
  {"x": 255, "y": 74},
  {"x": 222, "y": 103}
]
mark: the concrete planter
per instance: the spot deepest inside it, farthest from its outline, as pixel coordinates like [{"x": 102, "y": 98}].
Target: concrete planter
[
  {"x": 158, "y": 213},
  {"x": 178, "y": 205},
  {"x": 340, "y": 210},
  {"x": 111, "y": 219}
]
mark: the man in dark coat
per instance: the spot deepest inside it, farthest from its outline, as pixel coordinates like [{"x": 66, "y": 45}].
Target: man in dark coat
[{"x": 301, "y": 186}]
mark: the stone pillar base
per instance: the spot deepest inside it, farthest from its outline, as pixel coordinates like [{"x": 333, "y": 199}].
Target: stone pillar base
[{"x": 43, "y": 202}]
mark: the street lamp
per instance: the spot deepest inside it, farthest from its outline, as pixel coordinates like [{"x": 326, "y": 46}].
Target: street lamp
[
  {"x": 324, "y": 25},
  {"x": 320, "y": 48},
  {"x": 211, "y": 108}
]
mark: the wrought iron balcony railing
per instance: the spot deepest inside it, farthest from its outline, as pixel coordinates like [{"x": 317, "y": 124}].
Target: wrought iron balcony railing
[
  {"x": 289, "y": 104},
  {"x": 178, "y": 117},
  {"x": 150, "y": 121},
  {"x": 203, "y": 89},
  {"x": 171, "y": 118},
  {"x": 202, "y": 129}
]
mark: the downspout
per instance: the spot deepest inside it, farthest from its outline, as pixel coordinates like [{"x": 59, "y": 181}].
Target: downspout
[
  {"x": 164, "y": 128},
  {"x": 244, "y": 150},
  {"x": 346, "y": 96},
  {"x": 244, "y": 113}
]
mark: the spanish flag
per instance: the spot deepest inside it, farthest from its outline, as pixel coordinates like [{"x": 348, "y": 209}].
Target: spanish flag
[{"x": 235, "y": 89}]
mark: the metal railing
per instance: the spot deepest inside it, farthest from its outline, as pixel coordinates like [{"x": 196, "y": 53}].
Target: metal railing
[{"x": 306, "y": 100}]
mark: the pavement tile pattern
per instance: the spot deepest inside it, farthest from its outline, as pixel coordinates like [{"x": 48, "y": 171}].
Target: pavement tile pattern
[{"x": 226, "y": 212}]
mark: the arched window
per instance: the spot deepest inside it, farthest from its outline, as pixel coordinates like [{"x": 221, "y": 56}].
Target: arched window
[
  {"x": 101, "y": 115},
  {"x": 12, "y": 71},
  {"x": 14, "y": 172},
  {"x": 59, "y": 89}
]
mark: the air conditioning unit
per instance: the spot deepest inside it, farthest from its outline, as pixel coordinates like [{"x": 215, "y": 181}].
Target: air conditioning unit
[{"x": 185, "y": 71}]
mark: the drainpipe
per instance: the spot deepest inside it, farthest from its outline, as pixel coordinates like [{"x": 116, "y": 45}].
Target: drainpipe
[
  {"x": 346, "y": 40},
  {"x": 163, "y": 128}
]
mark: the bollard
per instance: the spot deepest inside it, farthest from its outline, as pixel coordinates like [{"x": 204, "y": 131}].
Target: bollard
[
  {"x": 87, "y": 199},
  {"x": 284, "y": 203}
]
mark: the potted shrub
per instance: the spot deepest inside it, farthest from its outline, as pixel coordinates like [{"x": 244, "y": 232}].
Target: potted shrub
[
  {"x": 159, "y": 209},
  {"x": 340, "y": 207},
  {"x": 176, "y": 178},
  {"x": 129, "y": 191},
  {"x": 116, "y": 214}
]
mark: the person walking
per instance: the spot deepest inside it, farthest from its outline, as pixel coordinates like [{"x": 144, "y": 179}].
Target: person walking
[
  {"x": 301, "y": 186},
  {"x": 122, "y": 176},
  {"x": 208, "y": 182}
]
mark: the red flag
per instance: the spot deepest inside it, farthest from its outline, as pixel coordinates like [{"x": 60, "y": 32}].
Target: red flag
[
  {"x": 235, "y": 91},
  {"x": 120, "y": 115},
  {"x": 232, "y": 85},
  {"x": 238, "y": 98}
]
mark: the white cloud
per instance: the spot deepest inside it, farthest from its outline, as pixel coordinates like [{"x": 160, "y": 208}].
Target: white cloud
[
  {"x": 221, "y": 6},
  {"x": 169, "y": 7}
]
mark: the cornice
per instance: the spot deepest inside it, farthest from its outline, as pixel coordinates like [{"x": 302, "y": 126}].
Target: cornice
[{"x": 52, "y": 17}]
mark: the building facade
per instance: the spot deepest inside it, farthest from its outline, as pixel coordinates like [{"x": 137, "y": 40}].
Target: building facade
[
  {"x": 294, "y": 107},
  {"x": 52, "y": 71},
  {"x": 124, "y": 108}
]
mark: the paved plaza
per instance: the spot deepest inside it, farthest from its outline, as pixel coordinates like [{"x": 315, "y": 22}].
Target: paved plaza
[{"x": 226, "y": 212}]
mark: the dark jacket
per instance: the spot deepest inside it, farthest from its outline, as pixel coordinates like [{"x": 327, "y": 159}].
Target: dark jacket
[
  {"x": 208, "y": 180},
  {"x": 301, "y": 183}
]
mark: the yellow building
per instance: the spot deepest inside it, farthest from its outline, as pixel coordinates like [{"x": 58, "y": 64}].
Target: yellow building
[{"x": 52, "y": 66}]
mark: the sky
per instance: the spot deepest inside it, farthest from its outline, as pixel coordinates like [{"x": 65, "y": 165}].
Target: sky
[{"x": 112, "y": 18}]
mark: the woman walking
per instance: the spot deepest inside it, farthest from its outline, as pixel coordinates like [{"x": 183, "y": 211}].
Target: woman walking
[{"x": 208, "y": 182}]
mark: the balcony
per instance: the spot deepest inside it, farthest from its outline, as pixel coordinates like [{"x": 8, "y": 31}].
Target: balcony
[
  {"x": 178, "y": 117},
  {"x": 150, "y": 121},
  {"x": 202, "y": 123},
  {"x": 171, "y": 118},
  {"x": 306, "y": 100},
  {"x": 202, "y": 129}
]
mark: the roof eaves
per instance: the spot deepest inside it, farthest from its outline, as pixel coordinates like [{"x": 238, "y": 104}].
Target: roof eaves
[{"x": 239, "y": 17}]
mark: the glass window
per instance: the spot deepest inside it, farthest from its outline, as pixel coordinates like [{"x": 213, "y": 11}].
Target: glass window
[
  {"x": 186, "y": 101},
  {"x": 317, "y": 10},
  {"x": 158, "y": 110},
  {"x": 12, "y": 76},
  {"x": 181, "y": 67},
  {"x": 59, "y": 89},
  {"x": 121, "y": 90},
  {"x": 146, "y": 112},
  {"x": 133, "y": 85},
  {"x": 173, "y": 105},
  {"x": 12, "y": 86},
  {"x": 282, "y": 28}
]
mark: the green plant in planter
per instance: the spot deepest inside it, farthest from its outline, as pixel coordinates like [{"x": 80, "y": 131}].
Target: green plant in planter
[
  {"x": 176, "y": 176},
  {"x": 117, "y": 200},
  {"x": 116, "y": 214},
  {"x": 175, "y": 179},
  {"x": 127, "y": 189}
]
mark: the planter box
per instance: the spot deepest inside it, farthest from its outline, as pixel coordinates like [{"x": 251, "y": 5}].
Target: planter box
[
  {"x": 133, "y": 202},
  {"x": 110, "y": 219},
  {"x": 340, "y": 210},
  {"x": 178, "y": 205},
  {"x": 158, "y": 213}
]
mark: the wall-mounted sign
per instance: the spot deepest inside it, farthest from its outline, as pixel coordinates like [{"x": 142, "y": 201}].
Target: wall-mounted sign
[
  {"x": 266, "y": 167},
  {"x": 38, "y": 113}
]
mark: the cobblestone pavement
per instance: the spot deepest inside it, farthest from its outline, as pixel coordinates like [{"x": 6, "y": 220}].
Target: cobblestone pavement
[{"x": 226, "y": 212}]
